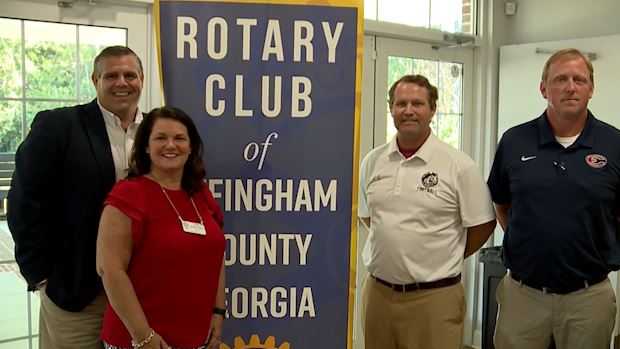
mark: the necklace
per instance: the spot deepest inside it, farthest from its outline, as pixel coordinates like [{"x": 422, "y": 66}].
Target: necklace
[{"x": 188, "y": 226}]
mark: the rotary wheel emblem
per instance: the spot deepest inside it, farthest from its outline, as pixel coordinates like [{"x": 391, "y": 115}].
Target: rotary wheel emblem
[{"x": 254, "y": 343}]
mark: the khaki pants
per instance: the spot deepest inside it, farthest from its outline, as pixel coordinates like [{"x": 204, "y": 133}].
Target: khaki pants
[
  {"x": 529, "y": 318},
  {"x": 61, "y": 329},
  {"x": 425, "y": 319}
]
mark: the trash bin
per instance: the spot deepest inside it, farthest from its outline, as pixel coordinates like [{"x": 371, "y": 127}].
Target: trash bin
[{"x": 494, "y": 271}]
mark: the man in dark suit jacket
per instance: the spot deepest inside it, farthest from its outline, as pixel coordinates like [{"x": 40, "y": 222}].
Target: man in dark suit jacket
[{"x": 63, "y": 171}]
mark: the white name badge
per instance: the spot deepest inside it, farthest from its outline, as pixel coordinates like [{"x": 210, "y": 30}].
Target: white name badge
[{"x": 193, "y": 228}]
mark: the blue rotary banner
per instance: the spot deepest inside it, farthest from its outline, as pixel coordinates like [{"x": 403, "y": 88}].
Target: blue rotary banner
[{"x": 274, "y": 88}]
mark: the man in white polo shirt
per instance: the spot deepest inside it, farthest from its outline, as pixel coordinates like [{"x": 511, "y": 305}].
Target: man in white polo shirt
[{"x": 427, "y": 207}]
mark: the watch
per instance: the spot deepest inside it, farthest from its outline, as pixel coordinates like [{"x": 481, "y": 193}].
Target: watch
[{"x": 219, "y": 311}]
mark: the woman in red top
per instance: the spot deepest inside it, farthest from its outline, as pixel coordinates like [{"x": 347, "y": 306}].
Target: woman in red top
[{"x": 160, "y": 247}]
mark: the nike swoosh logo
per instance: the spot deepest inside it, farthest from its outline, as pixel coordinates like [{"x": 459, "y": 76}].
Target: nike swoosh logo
[{"x": 527, "y": 158}]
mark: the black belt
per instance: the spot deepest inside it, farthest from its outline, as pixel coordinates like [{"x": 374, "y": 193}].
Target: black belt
[
  {"x": 560, "y": 290},
  {"x": 420, "y": 285}
]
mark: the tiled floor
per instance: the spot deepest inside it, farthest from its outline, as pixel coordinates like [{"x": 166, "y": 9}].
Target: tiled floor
[
  {"x": 6, "y": 242},
  {"x": 14, "y": 298}
]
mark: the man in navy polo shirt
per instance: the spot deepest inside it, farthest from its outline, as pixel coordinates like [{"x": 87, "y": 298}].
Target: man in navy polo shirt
[{"x": 555, "y": 183}]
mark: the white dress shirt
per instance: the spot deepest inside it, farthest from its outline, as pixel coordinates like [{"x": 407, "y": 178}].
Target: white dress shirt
[{"x": 121, "y": 140}]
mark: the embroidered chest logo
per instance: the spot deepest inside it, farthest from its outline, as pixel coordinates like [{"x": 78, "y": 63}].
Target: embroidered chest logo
[
  {"x": 596, "y": 160},
  {"x": 429, "y": 182},
  {"x": 527, "y": 158}
]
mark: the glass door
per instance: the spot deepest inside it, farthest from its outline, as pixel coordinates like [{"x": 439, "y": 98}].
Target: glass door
[
  {"x": 46, "y": 54},
  {"x": 448, "y": 68}
]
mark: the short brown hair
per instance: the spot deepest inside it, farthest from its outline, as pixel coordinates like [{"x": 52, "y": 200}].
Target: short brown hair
[
  {"x": 419, "y": 80},
  {"x": 567, "y": 52},
  {"x": 114, "y": 51},
  {"x": 140, "y": 162}
]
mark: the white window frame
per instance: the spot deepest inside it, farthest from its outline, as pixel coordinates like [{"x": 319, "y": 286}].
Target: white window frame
[
  {"x": 136, "y": 17},
  {"x": 477, "y": 132}
]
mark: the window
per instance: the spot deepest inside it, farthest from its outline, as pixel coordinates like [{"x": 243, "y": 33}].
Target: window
[
  {"x": 448, "y": 78},
  {"x": 448, "y": 69},
  {"x": 43, "y": 65},
  {"x": 455, "y": 16}
]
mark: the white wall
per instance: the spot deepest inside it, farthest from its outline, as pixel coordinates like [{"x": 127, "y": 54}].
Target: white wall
[
  {"x": 549, "y": 20},
  {"x": 521, "y": 67},
  {"x": 542, "y": 21},
  {"x": 538, "y": 21}
]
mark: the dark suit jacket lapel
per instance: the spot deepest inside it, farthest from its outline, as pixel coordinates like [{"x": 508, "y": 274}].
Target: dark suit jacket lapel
[{"x": 93, "y": 122}]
